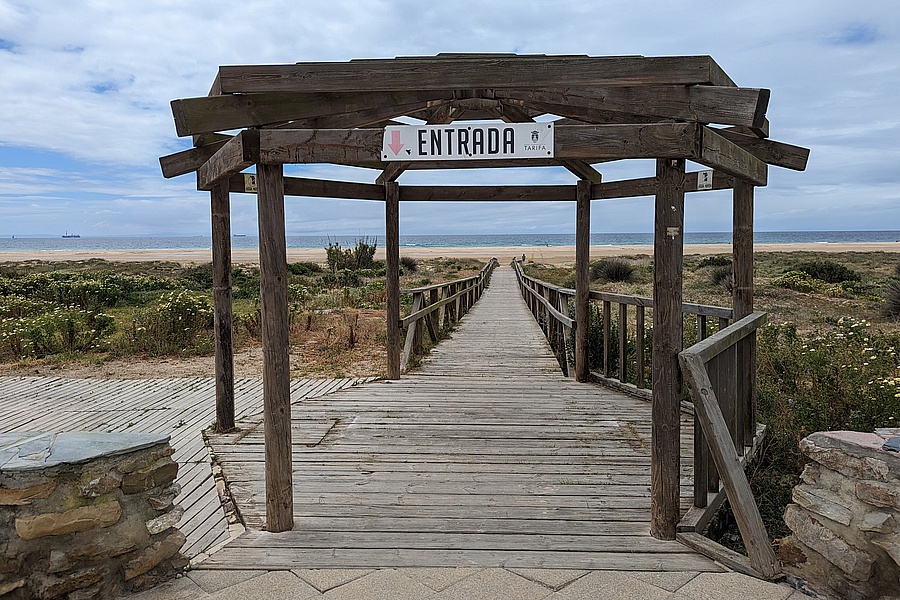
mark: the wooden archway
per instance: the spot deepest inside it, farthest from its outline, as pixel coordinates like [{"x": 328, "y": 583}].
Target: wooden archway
[{"x": 608, "y": 109}]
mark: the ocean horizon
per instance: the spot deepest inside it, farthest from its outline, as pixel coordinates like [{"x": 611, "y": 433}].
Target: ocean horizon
[{"x": 87, "y": 242}]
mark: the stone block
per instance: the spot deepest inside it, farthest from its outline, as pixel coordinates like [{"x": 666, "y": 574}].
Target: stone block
[
  {"x": 106, "y": 545},
  {"x": 876, "y": 522},
  {"x": 100, "y": 484},
  {"x": 822, "y": 503},
  {"x": 852, "y": 453},
  {"x": 165, "y": 520},
  {"x": 10, "y": 563},
  {"x": 139, "y": 460},
  {"x": 54, "y": 586},
  {"x": 165, "y": 547},
  {"x": 878, "y": 494},
  {"x": 24, "y": 496},
  {"x": 162, "y": 472},
  {"x": 72, "y": 521},
  {"x": 891, "y": 545},
  {"x": 855, "y": 563},
  {"x": 8, "y": 586},
  {"x": 165, "y": 498}
]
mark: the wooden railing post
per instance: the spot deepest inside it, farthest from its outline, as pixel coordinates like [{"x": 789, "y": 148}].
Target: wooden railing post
[
  {"x": 623, "y": 340},
  {"x": 221, "y": 254},
  {"x": 392, "y": 283},
  {"x": 582, "y": 277},
  {"x": 434, "y": 317},
  {"x": 276, "y": 348},
  {"x": 668, "y": 254},
  {"x": 607, "y": 333},
  {"x": 639, "y": 328}
]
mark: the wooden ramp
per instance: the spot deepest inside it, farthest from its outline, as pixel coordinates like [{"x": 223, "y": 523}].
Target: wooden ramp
[
  {"x": 486, "y": 456},
  {"x": 181, "y": 408}
]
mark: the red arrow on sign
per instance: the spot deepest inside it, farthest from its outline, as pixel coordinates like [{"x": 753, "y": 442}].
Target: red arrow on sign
[{"x": 395, "y": 144}]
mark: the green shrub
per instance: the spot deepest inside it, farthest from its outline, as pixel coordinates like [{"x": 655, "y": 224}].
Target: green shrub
[
  {"x": 409, "y": 264},
  {"x": 612, "y": 269},
  {"x": 714, "y": 261},
  {"x": 304, "y": 268},
  {"x": 180, "y": 322},
  {"x": 892, "y": 299},
  {"x": 827, "y": 271},
  {"x": 59, "y": 330},
  {"x": 245, "y": 283},
  {"x": 799, "y": 281},
  {"x": 19, "y": 306}
]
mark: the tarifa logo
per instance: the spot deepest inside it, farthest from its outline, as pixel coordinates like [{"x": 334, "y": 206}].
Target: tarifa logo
[{"x": 534, "y": 135}]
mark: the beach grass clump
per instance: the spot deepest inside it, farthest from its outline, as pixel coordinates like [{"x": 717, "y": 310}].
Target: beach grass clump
[
  {"x": 304, "y": 268},
  {"x": 408, "y": 264},
  {"x": 612, "y": 270},
  {"x": 714, "y": 261},
  {"x": 722, "y": 276},
  {"x": 892, "y": 299},
  {"x": 825, "y": 270},
  {"x": 800, "y": 281}
]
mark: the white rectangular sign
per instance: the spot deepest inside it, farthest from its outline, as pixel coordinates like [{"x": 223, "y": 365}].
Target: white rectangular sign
[{"x": 467, "y": 141}]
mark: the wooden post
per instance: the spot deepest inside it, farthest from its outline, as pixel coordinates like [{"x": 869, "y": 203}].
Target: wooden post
[
  {"x": 668, "y": 254},
  {"x": 392, "y": 283},
  {"x": 276, "y": 348},
  {"x": 582, "y": 277},
  {"x": 221, "y": 259},
  {"x": 742, "y": 303}
]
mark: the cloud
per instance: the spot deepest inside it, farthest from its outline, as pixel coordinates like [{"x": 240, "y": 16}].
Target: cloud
[{"x": 88, "y": 86}]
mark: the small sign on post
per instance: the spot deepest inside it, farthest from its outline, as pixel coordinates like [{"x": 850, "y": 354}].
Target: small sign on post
[
  {"x": 705, "y": 180},
  {"x": 477, "y": 141},
  {"x": 250, "y": 183}
]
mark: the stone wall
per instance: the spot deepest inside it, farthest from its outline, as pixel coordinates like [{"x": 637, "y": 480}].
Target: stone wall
[
  {"x": 86, "y": 515},
  {"x": 846, "y": 516}
]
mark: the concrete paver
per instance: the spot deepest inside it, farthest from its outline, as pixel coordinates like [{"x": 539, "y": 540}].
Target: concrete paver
[
  {"x": 555, "y": 579},
  {"x": 494, "y": 584},
  {"x": 385, "y": 583},
  {"x": 610, "y": 584},
  {"x": 438, "y": 579},
  {"x": 213, "y": 581},
  {"x": 667, "y": 581},
  {"x": 734, "y": 585},
  {"x": 275, "y": 585},
  {"x": 327, "y": 579}
]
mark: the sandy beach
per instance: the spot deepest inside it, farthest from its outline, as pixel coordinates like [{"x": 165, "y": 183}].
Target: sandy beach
[{"x": 556, "y": 255}]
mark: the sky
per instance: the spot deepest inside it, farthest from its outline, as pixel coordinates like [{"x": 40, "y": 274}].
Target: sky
[{"x": 86, "y": 86}]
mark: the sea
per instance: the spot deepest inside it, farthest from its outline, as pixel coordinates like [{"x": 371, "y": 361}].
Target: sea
[{"x": 44, "y": 243}]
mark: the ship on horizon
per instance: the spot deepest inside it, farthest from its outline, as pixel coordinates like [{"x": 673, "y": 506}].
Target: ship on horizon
[{"x": 71, "y": 235}]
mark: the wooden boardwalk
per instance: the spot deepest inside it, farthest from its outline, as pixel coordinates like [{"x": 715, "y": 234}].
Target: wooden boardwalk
[
  {"x": 181, "y": 408},
  {"x": 486, "y": 456}
]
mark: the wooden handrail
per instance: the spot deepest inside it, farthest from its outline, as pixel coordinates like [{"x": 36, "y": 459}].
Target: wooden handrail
[
  {"x": 458, "y": 296},
  {"x": 721, "y": 437}
]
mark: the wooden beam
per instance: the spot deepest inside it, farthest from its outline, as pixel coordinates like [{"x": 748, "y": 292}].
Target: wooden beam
[
  {"x": 319, "y": 188},
  {"x": 579, "y": 168},
  {"x": 471, "y": 73},
  {"x": 728, "y": 464},
  {"x": 392, "y": 276},
  {"x": 236, "y": 111},
  {"x": 742, "y": 303},
  {"x": 222, "y": 303},
  {"x": 589, "y": 143},
  {"x": 188, "y": 161},
  {"x": 235, "y": 156},
  {"x": 582, "y": 278},
  {"x": 724, "y": 155},
  {"x": 698, "y": 103},
  {"x": 276, "y": 349},
  {"x": 487, "y": 193},
  {"x": 668, "y": 254},
  {"x": 777, "y": 154}
]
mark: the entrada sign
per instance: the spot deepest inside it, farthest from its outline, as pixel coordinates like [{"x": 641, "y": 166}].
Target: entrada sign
[{"x": 467, "y": 141}]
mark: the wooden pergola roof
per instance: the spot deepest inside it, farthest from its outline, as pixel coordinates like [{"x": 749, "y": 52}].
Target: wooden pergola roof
[
  {"x": 671, "y": 109},
  {"x": 610, "y": 108}
]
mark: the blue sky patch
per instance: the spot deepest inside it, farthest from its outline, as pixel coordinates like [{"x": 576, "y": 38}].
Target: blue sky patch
[
  {"x": 104, "y": 87},
  {"x": 858, "y": 34},
  {"x": 7, "y": 45}
]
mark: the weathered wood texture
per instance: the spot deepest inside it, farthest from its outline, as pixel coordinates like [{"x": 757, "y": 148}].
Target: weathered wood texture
[
  {"x": 276, "y": 346},
  {"x": 392, "y": 277},
  {"x": 181, "y": 408},
  {"x": 668, "y": 254},
  {"x": 582, "y": 279},
  {"x": 222, "y": 301},
  {"x": 487, "y": 455},
  {"x": 468, "y": 73}
]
